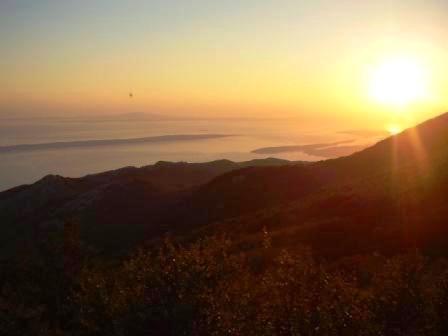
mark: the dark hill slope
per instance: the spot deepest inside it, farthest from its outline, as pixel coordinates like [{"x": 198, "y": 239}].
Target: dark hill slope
[
  {"x": 115, "y": 208},
  {"x": 389, "y": 166},
  {"x": 420, "y": 147},
  {"x": 391, "y": 196}
]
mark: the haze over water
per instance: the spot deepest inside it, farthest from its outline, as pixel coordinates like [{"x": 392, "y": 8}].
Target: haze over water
[
  {"x": 244, "y": 135},
  {"x": 265, "y": 73}
]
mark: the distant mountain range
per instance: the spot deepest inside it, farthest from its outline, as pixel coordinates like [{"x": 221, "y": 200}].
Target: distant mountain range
[{"x": 388, "y": 197}]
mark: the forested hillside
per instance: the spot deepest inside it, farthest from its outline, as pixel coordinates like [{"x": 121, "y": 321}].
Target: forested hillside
[{"x": 351, "y": 246}]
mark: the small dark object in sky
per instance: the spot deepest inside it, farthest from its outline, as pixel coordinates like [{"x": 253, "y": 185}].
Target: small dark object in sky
[{"x": 131, "y": 95}]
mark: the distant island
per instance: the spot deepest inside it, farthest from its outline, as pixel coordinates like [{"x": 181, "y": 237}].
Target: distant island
[
  {"x": 110, "y": 142},
  {"x": 325, "y": 150}
]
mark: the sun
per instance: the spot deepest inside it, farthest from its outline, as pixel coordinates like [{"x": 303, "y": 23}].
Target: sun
[
  {"x": 398, "y": 81},
  {"x": 394, "y": 129}
]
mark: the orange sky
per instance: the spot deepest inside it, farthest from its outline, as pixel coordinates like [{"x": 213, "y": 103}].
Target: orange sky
[{"x": 301, "y": 59}]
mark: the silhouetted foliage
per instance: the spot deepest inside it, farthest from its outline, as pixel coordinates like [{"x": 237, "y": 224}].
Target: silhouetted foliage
[{"x": 210, "y": 287}]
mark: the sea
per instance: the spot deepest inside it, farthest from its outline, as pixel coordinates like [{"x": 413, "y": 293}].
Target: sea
[{"x": 208, "y": 139}]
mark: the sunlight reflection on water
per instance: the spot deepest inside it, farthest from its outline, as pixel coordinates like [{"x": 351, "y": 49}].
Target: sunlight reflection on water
[{"x": 25, "y": 167}]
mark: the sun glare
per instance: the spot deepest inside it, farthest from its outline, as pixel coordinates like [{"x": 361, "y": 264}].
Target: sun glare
[
  {"x": 398, "y": 82},
  {"x": 394, "y": 129}
]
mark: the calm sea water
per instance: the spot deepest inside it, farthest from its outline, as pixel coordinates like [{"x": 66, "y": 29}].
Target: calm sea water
[{"x": 28, "y": 166}]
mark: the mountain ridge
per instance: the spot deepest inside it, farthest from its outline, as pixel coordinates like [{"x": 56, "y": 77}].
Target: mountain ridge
[{"x": 377, "y": 199}]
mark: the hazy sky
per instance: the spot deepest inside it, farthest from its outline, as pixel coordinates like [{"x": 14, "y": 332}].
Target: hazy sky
[{"x": 308, "y": 59}]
